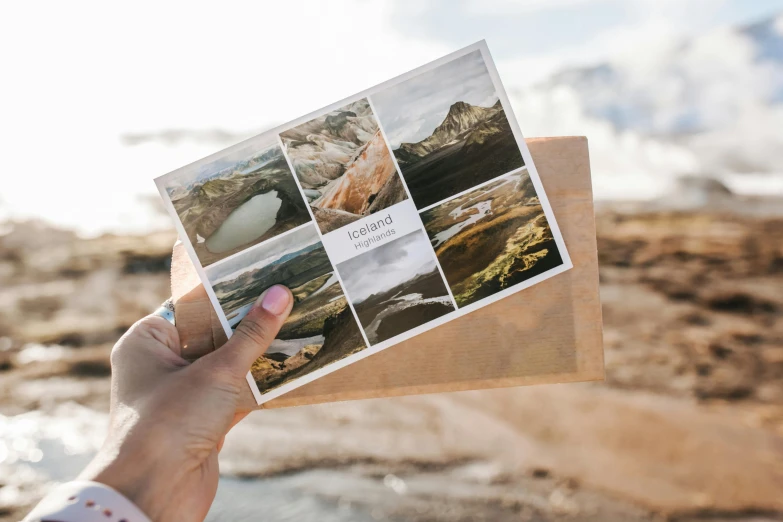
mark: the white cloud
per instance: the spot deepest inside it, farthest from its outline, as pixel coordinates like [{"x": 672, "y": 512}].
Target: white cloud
[
  {"x": 485, "y": 7},
  {"x": 705, "y": 106},
  {"x": 624, "y": 164},
  {"x": 88, "y": 73}
]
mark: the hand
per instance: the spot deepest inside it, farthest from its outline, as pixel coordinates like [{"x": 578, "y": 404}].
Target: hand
[{"x": 169, "y": 417}]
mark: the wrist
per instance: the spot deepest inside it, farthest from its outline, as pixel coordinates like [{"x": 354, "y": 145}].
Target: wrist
[
  {"x": 137, "y": 476},
  {"x": 85, "y": 501}
]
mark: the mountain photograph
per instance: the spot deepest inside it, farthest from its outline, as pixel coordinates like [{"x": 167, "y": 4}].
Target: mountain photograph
[
  {"x": 492, "y": 238},
  {"x": 396, "y": 287},
  {"x": 240, "y": 199},
  {"x": 344, "y": 166},
  {"x": 321, "y": 328},
  {"x": 448, "y": 130}
]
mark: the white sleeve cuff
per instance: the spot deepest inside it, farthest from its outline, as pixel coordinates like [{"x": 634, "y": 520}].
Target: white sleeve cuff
[{"x": 85, "y": 501}]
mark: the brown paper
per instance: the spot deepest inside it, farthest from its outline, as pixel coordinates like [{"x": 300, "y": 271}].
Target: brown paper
[{"x": 548, "y": 333}]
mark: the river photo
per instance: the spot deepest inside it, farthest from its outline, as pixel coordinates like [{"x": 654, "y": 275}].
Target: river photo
[
  {"x": 492, "y": 238},
  {"x": 395, "y": 287}
]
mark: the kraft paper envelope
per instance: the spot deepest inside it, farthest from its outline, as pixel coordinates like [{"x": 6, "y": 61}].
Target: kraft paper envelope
[{"x": 548, "y": 333}]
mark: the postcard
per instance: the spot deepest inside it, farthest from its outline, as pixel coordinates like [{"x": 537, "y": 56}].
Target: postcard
[{"x": 387, "y": 214}]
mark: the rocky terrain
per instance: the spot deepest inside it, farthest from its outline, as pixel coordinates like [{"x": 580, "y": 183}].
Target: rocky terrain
[
  {"x": 368, "y": 173},
  {"x": 341, "y": 338},
  {"x": 344, "y": 165},
  {"x": 491, "y": 238},
  {"x": 687, "y": 427},
  {"x": 698, "y": 297},
  {"x": 205, "y": 206},
  {"x": 471, "y": 145}
]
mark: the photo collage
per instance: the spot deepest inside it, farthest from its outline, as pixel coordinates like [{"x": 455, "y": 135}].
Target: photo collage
[{"x": 437, "y": 145}]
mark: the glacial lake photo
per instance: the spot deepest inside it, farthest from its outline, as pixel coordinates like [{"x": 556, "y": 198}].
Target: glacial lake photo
[
  {"x": 247, "y": 223},
  {"x": 241, "y": 198}
]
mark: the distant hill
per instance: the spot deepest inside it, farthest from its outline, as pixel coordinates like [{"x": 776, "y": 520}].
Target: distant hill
[{"x": 292, "y": 270}]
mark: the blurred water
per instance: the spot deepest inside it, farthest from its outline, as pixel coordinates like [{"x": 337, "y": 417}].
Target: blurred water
[
  {"x": 38, "y": 450},
  {"x": 282, "y": 499}
]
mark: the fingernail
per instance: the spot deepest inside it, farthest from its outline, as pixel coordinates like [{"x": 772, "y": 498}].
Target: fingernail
[{"x": 275, "y": 300}]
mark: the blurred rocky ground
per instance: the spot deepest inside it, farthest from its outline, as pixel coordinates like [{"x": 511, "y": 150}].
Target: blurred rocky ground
[{"x": 687, "y": 426}]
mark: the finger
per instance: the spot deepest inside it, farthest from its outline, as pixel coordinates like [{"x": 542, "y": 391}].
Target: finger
[
  {"x": 256, "y": 331},
  {"x": 152, "y": 339}
]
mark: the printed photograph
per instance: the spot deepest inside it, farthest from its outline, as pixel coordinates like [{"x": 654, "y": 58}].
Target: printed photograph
[
  {"x": 321, "y": 328},
  {"x": 396, "y": 287},
  {"x": 242, "y": 198},
  {"x": 343, "y": 165},
  {"x": 492, "y": 238},
  {"x": 448, "y": 130}
]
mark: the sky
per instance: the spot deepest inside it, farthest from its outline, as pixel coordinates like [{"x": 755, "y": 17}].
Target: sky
[
  {"x": 387, "y": 266},
  {"x": 82, "y": 78},
  {"x": 411, "y": 110},
  {"x": 262, "y": 254},
  {"x": 211, "y": 165}
]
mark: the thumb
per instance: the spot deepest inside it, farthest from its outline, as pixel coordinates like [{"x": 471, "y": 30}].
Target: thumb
[{"x": 256, "y": 331}]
